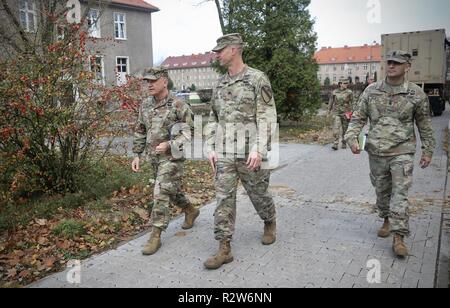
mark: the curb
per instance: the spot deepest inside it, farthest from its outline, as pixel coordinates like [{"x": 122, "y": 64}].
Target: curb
[{"x": 442, "y": 279}]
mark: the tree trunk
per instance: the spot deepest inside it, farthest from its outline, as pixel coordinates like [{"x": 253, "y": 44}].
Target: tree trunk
[{"x": 219, "y": 11}]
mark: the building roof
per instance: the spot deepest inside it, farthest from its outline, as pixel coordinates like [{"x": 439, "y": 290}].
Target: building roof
[
  {"x": 141, "y": 4},
  {"x": 366, "y": 53},
  {"x": 192, "y": 61}
]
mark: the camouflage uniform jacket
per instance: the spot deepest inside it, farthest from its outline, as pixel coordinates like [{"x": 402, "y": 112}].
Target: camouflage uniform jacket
[
  {"x": 155, "y": 123},
  {"x": 342, "y": 101},
  {"x": 246, "y": 99},
  {"x": 392, "y": 112}
]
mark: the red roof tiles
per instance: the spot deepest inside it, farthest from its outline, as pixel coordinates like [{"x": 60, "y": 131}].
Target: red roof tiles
[
  {"x": 137, "y": 3},
  {"x": 347, "y": 54},
  {"x": 192, "y": 61}
]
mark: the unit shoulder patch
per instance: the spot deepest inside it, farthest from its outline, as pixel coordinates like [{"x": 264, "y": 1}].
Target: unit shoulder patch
[{"x": 266, "y": 94}]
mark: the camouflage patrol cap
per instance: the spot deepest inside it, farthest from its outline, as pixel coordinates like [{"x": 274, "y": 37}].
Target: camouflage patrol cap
[
  {"x": 155, "y": 73},
  {"x": 227, "y": 40},
  {"x": 399, "y": 56},
  {"x": 344, "y": 80}
]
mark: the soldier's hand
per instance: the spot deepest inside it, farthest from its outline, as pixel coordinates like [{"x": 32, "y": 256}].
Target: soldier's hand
[
  {"x": 162, "y": 148},
  {"x": 213, "y": 158},
  {"x": 135, "y": 165},
  {"x": 425, "y": 161},
  {"x": 254, "y": 161},
  {"x": 355, "y": 149}
]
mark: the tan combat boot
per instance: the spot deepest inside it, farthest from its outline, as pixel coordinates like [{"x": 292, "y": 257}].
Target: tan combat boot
[
  {"x": 399, "y": 246},
  {"x": 223, "y": 256},
  {"x": 270, "y": 231},
  {"x": 191, "y": 214},
  {"x": 385, "y": 230},
  {"x": 153, "y": 244}
]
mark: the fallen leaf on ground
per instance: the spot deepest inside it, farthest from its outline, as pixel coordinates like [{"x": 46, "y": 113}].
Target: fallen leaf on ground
[
  {"x": 24, "y": 274},
  {"x": 41, "y": 222},
  {"x": 143, "y": 214}
]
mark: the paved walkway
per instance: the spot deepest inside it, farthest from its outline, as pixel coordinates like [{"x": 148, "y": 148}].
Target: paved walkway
[{"x": 326, "y": 234}]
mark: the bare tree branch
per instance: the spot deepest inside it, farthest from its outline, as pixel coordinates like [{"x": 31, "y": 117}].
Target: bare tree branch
[
  {"x": 12, "y": 17},
  {"x": 219, "y": 11}
]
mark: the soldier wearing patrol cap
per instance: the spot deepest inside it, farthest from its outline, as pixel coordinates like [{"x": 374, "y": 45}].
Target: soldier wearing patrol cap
[
  {"x": 341, "y": 107},
  {"x": 154, "y": 133},
  {"x": 243, "y": 96},
  {"x": 393, "y": 106}
]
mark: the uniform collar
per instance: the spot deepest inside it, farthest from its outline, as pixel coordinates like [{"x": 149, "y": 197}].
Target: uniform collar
[
  {"x": 163, "y": 103},
  {"x": 401, "y": 89},
  {"x": 227, "y": 79}
]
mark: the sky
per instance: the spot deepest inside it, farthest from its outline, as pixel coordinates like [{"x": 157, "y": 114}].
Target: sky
[{"x": 185, "y": 27}]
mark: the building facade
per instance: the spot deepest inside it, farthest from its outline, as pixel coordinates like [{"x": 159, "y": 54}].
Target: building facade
[
  {"x": 197, "y": 70},
  {"x": 356, "y": 63},
  {"x": 120, "y": 34}
]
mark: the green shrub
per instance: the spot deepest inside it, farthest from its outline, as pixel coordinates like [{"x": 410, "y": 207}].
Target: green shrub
[{"x": 70, "y": 229}]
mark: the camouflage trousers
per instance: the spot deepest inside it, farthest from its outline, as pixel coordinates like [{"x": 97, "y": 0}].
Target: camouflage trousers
[
  {"x": 229, "y": 172},
  {"x": 392, "y": 178},
  {"x": 168, "y": 176},
  {"x": 340, "y": 127}
]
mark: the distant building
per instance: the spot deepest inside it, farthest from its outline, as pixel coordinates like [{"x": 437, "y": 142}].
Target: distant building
[
  {"x": 129, "y": 24},
  {"x": 359, "y": 63},
  {"x": 197, "y": 70},
  {"x": 121, "y": 30}
]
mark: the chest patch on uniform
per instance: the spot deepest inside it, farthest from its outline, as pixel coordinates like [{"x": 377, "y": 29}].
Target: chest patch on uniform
[{"x": 266, "y": 94}]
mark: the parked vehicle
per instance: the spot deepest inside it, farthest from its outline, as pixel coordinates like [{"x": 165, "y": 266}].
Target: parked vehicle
[
  {"x": 191, "y": 98},
  {"x": 430, "y": 57}
]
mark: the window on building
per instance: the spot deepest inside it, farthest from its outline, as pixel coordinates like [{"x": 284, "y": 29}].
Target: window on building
[
  {"x": 334, "y": 78},
  {"x": 60, "y": 32},
  {"x": 342, "y": 67},
  {"x": 94, "y": 23},
  {"x": 334, "y": 68},
  {"x": 97, "y": 67},
  {"x": 28, "y": 15},
  {"x": 357, "y": 67},
  {"x": 365, "y": 67},
  {"x": 415, "y": 52},
  {"x": 122, "y": 67},
  {"x": 120, "y": 26},
  {"x": 349, "y": 72}
]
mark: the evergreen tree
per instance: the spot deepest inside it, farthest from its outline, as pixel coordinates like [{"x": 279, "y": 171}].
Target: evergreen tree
[{"x": 280, "y": 41}]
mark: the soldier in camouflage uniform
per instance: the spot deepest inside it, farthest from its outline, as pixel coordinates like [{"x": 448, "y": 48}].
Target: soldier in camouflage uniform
[
  {"x": 393, "y": 106},
  {"x": 164, "y": 124},
  {"x": 242, "y": 99},
  {"x": 341, "y": 107}
]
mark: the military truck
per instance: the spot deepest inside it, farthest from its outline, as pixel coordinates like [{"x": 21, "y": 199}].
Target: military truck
[{"x": 430, "y": 57}]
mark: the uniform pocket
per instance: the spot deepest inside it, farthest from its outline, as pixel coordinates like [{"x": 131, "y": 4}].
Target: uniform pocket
[{"x": 408, "y": 170}]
